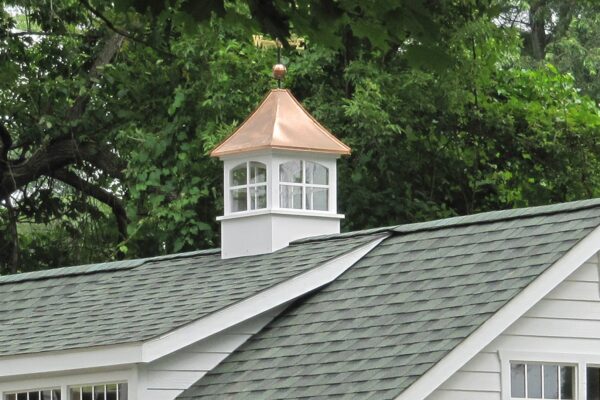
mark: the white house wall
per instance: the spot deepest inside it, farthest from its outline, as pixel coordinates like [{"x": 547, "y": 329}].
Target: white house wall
[
  {"x": 564, "y": 327},
  {"x": 167, "y": 377}
]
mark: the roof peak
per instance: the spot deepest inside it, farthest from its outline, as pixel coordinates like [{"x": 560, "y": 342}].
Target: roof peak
[{"x": 280, "y": 122}]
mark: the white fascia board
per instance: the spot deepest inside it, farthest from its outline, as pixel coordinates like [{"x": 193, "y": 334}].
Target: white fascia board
[
  {"x": 255, "y": 305},
  {"x": 504, "y": 317},
  {"x": 70, "y": 360}
]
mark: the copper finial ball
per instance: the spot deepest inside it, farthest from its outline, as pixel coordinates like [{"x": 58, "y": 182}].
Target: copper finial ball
[{"x": 279, "y": 71}]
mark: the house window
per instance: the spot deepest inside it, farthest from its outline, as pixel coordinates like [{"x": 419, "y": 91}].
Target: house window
[
  {"x": 304, "y": 185},
  {"x": 593, "y": 383},
  {"x": 43, "y": 394},
  {"x": 248, "y": 186},
  {"x": 542, "y": 381},
  {"x": 111, "y": 391}
]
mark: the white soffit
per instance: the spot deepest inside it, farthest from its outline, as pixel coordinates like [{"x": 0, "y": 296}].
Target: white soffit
[{"x": 506, "y": 316}]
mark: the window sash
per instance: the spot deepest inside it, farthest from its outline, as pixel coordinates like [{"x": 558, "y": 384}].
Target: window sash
[
  {"x": 543, "y": 383},
  {"x": 305, "y": 189},
  {"x": 54, "y": 392},
  {"x": 120, "y": 391},
  {"x": 252, "y": 196}
]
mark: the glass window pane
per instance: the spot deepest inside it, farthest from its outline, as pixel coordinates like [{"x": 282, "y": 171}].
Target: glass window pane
[
  {"x": 239, "y": 175},
  {"x": 21, "y": 396},
  {"x": 258, "y": 172},
  {"x": 317, "y": 199},
  {"x": 517, "y": 380},
  {"x": 111, "y": 392},
  {"x": 46, "y": 395},
  {"x": 56, "y": 394},
  {"x": 86, "y": 393},
  {"x": 239, "y": 201},
  {"x": 258, "y": 197},
  {"x": 291, "y": 171},
  {"x": 290, "y": 197},
  {"x": 34, "y": 395},
  {"x": 316, "y": 173},
  {"x": 566, "y": 382},
  {"x": 10, "y": 396},
  {"x": 550, "y": 381},
  {"x": 534, "y": 381},
  {"x": 122, "y": 391},
  {"x": 74, "y": 394},
  {"x": 99, "y": 392},
  {"x": 593, "y": 383}
]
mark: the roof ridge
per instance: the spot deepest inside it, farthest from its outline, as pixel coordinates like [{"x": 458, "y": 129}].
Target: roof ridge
[
  {"x": 464, "y": 220},
  {"x": 97, "y": 267}
]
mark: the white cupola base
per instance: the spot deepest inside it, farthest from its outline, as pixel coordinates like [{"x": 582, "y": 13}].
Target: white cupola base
[{"x": 263, "y": 232}]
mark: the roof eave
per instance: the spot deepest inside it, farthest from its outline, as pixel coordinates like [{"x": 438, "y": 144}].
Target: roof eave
[{"x": 219, "y": 153}]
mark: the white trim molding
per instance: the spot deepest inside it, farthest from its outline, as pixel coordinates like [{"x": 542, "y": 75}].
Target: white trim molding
[
  {"x": 281, "y": 211},
  {"x": 503, "y": 318}
]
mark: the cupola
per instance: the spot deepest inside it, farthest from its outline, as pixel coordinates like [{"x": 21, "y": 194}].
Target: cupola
[{"x": 280, "y": 178}]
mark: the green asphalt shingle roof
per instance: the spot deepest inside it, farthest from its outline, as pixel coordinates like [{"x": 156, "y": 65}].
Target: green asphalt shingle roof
[
  {"x": 136, "y": 300},
  {"x": 387, "y": 320}
]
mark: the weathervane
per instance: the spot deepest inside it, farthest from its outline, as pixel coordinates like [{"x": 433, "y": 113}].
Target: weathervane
[{"x": 279, "y": 69}]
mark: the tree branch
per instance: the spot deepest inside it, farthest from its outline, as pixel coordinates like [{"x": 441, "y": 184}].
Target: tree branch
[
  {"x": 99, "y": 194},
  {"x": 118, "y": 30},
  {"x": 108, "y": 51},
  {"x": 5, "y": 145},
  {"x": 55, "y": 156},
  {"x": 15, "y": 251}
]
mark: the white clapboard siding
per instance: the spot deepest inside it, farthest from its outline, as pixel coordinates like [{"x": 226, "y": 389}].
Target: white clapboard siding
[
  {"x": 473, "y": 381},
  {"x": 566, "y": 321},
  {"x": 167, "y": 377},
  {"x": 444, "y": 394}
]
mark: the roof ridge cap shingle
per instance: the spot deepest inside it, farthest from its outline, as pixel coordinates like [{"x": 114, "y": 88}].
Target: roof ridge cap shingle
[
  {"x": 97, "y": 267},
  {"x": 463, "y": 220}
]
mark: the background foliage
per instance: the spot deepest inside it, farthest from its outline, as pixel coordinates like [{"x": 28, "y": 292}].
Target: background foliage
[{"x": 108, "y": 112}]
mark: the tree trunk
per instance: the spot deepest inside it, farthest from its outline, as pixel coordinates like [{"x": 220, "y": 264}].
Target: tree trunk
[
  {"x": 14, "y": 259},
  {"x": 537, "y": 22}
]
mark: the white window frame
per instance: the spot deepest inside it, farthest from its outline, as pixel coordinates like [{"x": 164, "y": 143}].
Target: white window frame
[
  {"x": 560, "y": 365},
  {"x": 579, "y": 360},
  {"x": 65, "y": 380},
  {"x": 51, "y": 389},
  {"x": 93, "y": 386},
  {"x": 305, "y": 185},
  {"x": 247, "y": 186}
]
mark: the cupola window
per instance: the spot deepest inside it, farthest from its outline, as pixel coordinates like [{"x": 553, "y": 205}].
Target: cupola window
[
  {"x": 248, "y": 186},
  {"x": 304, "y": 185}
]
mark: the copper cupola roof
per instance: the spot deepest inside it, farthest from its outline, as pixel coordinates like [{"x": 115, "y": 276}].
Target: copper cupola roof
[{"x": 280, "y": 122}]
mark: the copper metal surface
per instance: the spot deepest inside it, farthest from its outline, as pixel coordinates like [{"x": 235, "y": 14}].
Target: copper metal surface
[
  {"x": 280, "y": 122},
  {"x": 279, "y": 71}
]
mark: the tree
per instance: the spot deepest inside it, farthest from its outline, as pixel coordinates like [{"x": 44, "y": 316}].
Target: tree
[
  {"x": 102, "y": 103},
  {"x": 109, "y": 112}
]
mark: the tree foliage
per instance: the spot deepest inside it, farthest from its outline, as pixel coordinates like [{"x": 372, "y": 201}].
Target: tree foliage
[{"x": 109, "y": 110}]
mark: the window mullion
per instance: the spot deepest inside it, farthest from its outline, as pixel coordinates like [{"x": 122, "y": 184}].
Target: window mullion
[
  {"x": 303, "y": 185},
  {"x": 543, "y": 388},
  {"x": 558, "y": 382},
  {"x": 526, "y": 385},
  {"x": 248, "y": 200}
]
